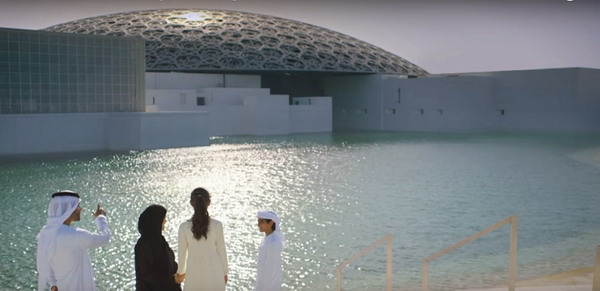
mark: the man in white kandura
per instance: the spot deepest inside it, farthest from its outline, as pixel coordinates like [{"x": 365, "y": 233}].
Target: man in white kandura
[
  {"x": 63, "y": 261},
  {"x": 269, "y": 275}
]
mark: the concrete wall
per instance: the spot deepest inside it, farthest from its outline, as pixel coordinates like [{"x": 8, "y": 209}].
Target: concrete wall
[
  {"x": 378, "y": 102},
  {"x": 60, "y": 132},
  {"x": 247, "y": 111},
  {"x": 227, "y": 120},
  {"x": 267, "y": 115},
  {"x": 189, "y": 81},
  {"x": 45, "y": 133},
  {"x": 588, "y": 97},
  {"x": 538, "y": 99},
  {"x": 311, "y": 114},
  {"x": 357, "y": 101},
  {"x": 171, "y": 100},
  {"x": 230, "y": 96},
  {"x": 553, "y": 99},
  {"x": 242, "y": 81},
  {"x": 437, "y": 104},
  {"x": 144, "y": 131},
  {"x": 255, "y": 112}
]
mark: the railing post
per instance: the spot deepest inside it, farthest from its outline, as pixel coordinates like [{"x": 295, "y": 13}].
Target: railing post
[
  {"x": 338, "y": 279},
  {"x": 512, "y": 268},
  {"x": 425, "y": 275},
  {"x": 596, "y": 286},
  {"x": 387, "y": 238},
  {"x": 389, "y": 268}
]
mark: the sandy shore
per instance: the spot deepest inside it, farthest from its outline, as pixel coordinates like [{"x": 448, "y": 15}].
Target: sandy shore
[{"x": 574, "y": 280}]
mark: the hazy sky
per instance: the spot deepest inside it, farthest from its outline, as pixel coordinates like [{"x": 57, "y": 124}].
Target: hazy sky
[{"x": 442, "y": 36}]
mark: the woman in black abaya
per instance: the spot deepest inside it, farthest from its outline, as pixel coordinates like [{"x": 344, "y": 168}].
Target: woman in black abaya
[{"x": 155, "y": 266}]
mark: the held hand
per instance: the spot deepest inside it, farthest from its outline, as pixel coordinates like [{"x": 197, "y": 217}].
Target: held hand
[
  {"x": 179, "y": 278},
  {"x": 99, "y": 211}
]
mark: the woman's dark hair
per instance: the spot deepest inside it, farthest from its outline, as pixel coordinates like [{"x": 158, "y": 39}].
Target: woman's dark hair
[
  {"x": 200, "y": 199},
  {"x": 150, "y": 221}
]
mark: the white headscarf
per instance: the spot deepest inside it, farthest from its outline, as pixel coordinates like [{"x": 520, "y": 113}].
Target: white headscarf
[
  {"x": 273, "y": 216},
  {"x": 60, "y": 208}
]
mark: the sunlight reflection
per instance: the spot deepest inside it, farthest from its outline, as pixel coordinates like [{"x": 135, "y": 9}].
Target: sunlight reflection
[{"x": 334, "y": 194}]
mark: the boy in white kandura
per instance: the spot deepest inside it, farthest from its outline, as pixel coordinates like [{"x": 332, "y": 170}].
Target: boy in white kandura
[{"x": 269, "y": 274}]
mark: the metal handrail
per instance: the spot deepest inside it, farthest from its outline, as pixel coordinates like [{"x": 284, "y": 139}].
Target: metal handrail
[
  {"x": 596, "y": 286},
  {"x": 512, "y": 269},
  {"x": 388, "y": 272}
]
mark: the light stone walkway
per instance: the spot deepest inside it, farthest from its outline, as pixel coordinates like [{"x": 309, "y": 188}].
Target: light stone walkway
[
  {"x": 574, "y": 280},
  {"x": 541, "y": 288}
]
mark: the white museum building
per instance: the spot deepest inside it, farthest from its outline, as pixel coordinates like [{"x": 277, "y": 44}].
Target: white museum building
[{"x": 175, "y": 77}]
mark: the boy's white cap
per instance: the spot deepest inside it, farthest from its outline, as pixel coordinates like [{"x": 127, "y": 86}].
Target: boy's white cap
[{"x": 273, "y": 216}]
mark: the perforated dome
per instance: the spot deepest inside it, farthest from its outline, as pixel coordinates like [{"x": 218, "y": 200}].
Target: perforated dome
[{"x": 197, "y": 40}]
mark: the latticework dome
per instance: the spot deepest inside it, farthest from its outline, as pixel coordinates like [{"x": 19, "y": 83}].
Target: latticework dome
[{"x": 197, "y": 40}]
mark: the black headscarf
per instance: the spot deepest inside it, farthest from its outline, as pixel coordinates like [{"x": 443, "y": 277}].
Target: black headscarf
[{"x": 150, "y": 222}]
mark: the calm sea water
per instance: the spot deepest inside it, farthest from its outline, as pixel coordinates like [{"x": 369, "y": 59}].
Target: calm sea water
[{"x": 336, "y": 194}]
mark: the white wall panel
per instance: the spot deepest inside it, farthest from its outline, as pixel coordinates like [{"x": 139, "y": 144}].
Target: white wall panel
[{"x": 47, "y": 133}]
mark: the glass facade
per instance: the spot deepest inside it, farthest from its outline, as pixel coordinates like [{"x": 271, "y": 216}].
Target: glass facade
[{"x": 52, "y": 72}]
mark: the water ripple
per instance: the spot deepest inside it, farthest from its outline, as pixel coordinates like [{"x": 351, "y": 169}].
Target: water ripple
[{"x": 336, "y": 194}]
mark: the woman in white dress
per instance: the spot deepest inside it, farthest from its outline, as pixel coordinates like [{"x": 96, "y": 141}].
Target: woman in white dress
[{"x": 201, "y": 251}]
